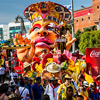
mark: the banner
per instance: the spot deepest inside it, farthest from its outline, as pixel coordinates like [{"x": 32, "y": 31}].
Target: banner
[{"x": 93, "y": 61}]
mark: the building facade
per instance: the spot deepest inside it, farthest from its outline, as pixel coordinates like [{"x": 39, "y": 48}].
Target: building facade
[
  {"x": 9, "y": 31},
  {"x": 4, "y": 33},
  {"x": 16, "y": 28},
  {"x": 87, "y": 17}
]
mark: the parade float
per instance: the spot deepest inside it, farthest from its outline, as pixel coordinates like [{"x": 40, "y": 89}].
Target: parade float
[{"x": 49, "y": 32}]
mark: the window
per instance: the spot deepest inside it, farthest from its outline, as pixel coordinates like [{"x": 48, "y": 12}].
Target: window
[
  {"x": 12, "y": 28},
  {"x": 97, "y": 7},
  {"x": 17, "y": 27},
  {"x": 1, "y": 29},
  {"x": 88, "y": 17},
  {"x": 82, "y": 19}
]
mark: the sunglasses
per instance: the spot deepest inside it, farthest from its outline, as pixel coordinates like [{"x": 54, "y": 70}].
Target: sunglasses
[
  {"x": 92, "y": 86},
  {"x": 67, "y": 79}
]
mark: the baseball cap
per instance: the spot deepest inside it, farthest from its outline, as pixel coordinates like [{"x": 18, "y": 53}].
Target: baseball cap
[{"x": 25, "y": 78}]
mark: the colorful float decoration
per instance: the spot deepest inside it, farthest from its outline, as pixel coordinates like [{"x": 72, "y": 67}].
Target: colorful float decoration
[{"x": 48, "y": 20}]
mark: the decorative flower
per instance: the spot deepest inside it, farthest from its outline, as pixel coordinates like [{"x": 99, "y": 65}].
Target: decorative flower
[
  {"x": 38, "y": 68},
  {"x": 49, "y": 60}
]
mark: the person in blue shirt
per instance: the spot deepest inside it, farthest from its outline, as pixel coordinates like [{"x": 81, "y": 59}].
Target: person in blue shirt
[
  {"x": 28, "y": 86},
  {"x": 37, "y": 89},
  {"x": 93, "y": 92}
]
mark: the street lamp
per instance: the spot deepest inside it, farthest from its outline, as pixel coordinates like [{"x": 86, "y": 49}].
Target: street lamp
[{"x": 87, "y": 8}]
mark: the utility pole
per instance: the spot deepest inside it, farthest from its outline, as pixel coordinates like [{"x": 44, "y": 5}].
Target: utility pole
[
  {"x": 73, "y": 35},
  {"x": 99, "y": 22}
]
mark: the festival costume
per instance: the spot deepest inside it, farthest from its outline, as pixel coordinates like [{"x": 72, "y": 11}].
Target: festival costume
[
  {"x": 52, "y": 91},
  {"x": 63, "y": 89},
  {"x": 85, "y": 94}
]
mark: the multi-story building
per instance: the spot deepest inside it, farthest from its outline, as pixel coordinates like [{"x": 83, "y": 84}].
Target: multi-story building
[
  {"x": 15, "y": 28},
  {"x": 87, "y": 17},
  {"x": 4, "y": 33},
  {"x": 9, "y": 31}
]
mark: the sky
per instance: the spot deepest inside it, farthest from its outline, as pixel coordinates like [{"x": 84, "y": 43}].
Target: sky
[{"x": 10, "y": 9}]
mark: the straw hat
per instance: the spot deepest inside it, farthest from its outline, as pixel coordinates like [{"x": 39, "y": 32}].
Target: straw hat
[
  {"x": 97, "y": 77},
  {"x": 26, "y": 64},
  {"x": 46, "y": 10},
  {"x": 64, "y": 76},
  {"x": 67, "y": 76},
  {"x": 53, "y": 79},
  {"x": 53, "y": 67}
]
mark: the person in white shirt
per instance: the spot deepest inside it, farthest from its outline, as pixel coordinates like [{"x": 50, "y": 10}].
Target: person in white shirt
[
  {"x": 52, "y": 88},
  {"x": 21, "y": 90},
  {"x": 2, "y": 73},
  {"x": 12, "y": 75}
]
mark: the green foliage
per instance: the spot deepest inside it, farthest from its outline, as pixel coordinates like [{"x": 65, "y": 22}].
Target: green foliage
[
  {"x": 70, "y": 28},
  {"x": 89, "y": 39},
  {"x": 78, "y": 36},
  {"x": 94, "y": 27},
  {"x": 10, "y": 41},
  {"x": 87, "y": 29}
]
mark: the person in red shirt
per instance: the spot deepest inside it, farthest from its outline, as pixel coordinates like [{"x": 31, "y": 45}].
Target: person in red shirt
[
  {"x": 98, "y": 84},
  {"x": 93, "y": 92}
]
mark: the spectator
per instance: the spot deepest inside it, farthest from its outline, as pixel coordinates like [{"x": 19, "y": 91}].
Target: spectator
[
  {"x": 69, "y": 94},
  {"x": 27, "y": 68},
  {"x": 2, "y": 73},
  {"x": 81, "y": 79},
  {"x": 93, "y": 92},
  {"x": 30, "y": 80},
  {"x": 98, "y": 84},
  {"x": 16, "y": 81},
  {"x": 12, "y": 75},
  {"x": 63, "y": 88},
  {"x": 22, "y": 90},
  {"x": 83, "y": 90},
  {"x": 37, "y": 89},
  {"x": 3, "y": 91},
  {"x": 28, "y": 86},
  {"x": 52, "y": 88},
  {"x": 79, "y": 97}
]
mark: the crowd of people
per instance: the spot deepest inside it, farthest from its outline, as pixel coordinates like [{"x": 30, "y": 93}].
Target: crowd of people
[{"x": 23, "y": 88}]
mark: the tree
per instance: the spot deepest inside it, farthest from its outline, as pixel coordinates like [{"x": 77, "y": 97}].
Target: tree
[
  {"x": 89, "y": 39},
  {"x": 70, "y": 28},
  {"x": 77, "y": 36}
]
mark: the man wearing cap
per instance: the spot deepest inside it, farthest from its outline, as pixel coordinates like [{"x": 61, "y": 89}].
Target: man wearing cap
[
  {"x": 83, "y": 90},
  {"x": 52, "y": 88},
  {"x": 63, "y": 87},
  {"x": 30, "y": 80},
  {"x": 28, "y": 86}
]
